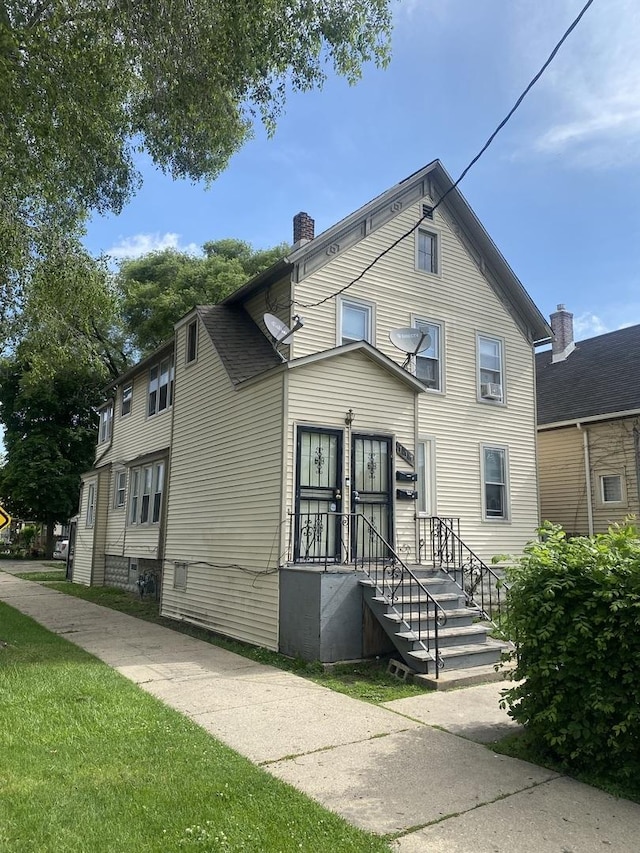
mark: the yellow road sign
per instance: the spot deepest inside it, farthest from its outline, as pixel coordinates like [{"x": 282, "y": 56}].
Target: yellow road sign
[{"x": 5, "y": 518}]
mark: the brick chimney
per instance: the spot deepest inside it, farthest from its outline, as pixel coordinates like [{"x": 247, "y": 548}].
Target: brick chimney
[
  {"x": 562, "y": 344},
  {"x": 303, "y": 228}
]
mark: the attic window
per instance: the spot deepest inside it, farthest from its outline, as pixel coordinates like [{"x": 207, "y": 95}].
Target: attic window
[{"x": 427, "y": 211}]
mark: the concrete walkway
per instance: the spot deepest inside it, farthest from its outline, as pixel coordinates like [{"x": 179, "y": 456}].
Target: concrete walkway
[{"x": 386, "y": 769}]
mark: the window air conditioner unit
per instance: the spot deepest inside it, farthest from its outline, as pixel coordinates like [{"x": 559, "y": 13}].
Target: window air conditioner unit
[{"x": 491, "y": 391}]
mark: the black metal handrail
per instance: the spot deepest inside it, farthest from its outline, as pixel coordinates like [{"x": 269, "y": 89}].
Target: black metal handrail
[
  {"x": 326, "y": 539},
  {"x": 483, "y": 587}
]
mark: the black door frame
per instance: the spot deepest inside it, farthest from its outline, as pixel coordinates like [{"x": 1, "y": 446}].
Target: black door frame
[
  {"x": 331, "y": 491},
  {"x": 388, "y": 534}
]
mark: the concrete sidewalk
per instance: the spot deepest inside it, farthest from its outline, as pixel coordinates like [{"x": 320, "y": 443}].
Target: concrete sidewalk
[{"x": 385, "y": 769}]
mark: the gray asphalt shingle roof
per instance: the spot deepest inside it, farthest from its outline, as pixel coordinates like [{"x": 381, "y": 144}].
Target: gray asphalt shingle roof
[
  {"x": 244, "y": 351},
  {"x": 602, "y": 375}
]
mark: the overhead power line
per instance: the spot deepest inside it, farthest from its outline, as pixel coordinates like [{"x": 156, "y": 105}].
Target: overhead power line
[{"x": 464, "y": 172}]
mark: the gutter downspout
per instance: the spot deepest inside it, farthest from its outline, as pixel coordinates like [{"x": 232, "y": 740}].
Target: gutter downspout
[{"x": 587, "y": 475}]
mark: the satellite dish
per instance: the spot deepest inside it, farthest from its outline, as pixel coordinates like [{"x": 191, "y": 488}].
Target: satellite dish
[
  {"x": 410, "y": 339},
  {"x": 276, "y": 328}
]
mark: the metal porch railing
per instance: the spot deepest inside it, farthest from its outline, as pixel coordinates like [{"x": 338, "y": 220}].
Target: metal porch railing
[
  {"x": 441, "y": 547},
  {"x": 327, "y": 539}
]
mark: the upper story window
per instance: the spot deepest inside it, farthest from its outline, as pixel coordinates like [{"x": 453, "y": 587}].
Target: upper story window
[
  {"x": 160, "y": 386},
  {"x": 495, "y": 483},
  {"x": 427, "y": 258},
  {"x": 490, "y": 368},
  {"x": 192, "y": 341},
  {"x": 106, "y": 423},
  {"x": 612, "y": 489},
  {"x": 355, "y": 321},
  {"x": 91, "y": 505},
  {"x": 127, "y": 399},
  {"x": 429, "y": 358}
]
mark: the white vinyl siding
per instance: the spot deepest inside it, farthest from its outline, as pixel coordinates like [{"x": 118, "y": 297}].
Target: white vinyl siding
[
  {"x": 90, "y": 517},
  {"x": 223, "y": 502}
]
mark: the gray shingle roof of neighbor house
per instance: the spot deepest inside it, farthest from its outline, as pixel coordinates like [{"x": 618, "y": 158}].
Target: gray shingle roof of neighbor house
[
  {"x": 244, "y": 351},
  {"x": 601, "y": 376}
]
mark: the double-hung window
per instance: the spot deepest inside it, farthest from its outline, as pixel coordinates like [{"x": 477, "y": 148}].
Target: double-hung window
[
  {"x": 429, "y": 359},
  {"x": 145, "y": 493},
  {"x": 160, "y": 386},
  {"x": 119, "y": 489},
  {"x": 127, "y": 398},
  {"x": 427, "y": 251},
  {"x": 490, "y": 368},
  {"x": 495, "y": 483},
  {"x": 355, "y": 321},
  {"x": 106, "y": 423},
  {"x": 91, "y": 505}
]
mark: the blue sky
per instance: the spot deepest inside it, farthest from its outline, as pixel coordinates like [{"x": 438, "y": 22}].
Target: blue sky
[{"x": 558, "y": 190}]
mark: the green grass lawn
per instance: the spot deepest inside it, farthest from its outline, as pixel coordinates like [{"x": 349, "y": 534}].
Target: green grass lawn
[
  {"x": 368, "y": 681},
  {"x": 91, "y": 763}
]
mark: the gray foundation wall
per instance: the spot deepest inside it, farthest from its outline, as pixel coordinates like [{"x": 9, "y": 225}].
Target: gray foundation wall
[
  {"x": 323, "y": 617},
  {"x": 123, "y": 572}
]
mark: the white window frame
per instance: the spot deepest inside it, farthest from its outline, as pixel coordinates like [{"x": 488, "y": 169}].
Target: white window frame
[
  {"x": 506, "y": 498},
  {"x": 147, "y": 483},
  {"x": 418, "y": 322},
  {"x": 620, "y": 475},
  {"x": 426, "y": 471},
  {"x": 127, "y": 399},
  {"x": 191, "y": 342},
  {"x": 435, "y": 267},
  {"x": 361, "y": 305},
  {"x": 90, "y": 519},
  {"x": 481, "y": 336},
  {"x": 120, "y": 490},
  {"x": 161, "y": 369},
  {"x": 106, "y": 423}
]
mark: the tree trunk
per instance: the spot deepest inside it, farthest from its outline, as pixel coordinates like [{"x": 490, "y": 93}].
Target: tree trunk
[{"x": 49, "y": 541}]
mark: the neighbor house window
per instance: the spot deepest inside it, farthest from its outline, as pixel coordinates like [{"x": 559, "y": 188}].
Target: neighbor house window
[
  {"x": 427, "y": 251},
  {"x": 355, "y": 321},
  {"x": 495, "y": 483},
  {"x": 91, "y": 504},
  {"x": 106, "y": 422},
  {"x": 490, "y": 368},
  {"x": 192, "y": 341},
  {"x": 120, "y": 489},
  {"x": 161, "y": 386},
  {"x": 145, "y": 493},
  {"x": 127, "y": 397},
  {"x": 611, "y": 489},
  {"x": 428, "y": 359}
]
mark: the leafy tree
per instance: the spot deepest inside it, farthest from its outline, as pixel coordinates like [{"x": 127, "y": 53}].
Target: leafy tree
[
  {"x": 159, "y": 288},
  {"x": 87, "y": 84},
  {"x": 50, "y": 439},
  {"x": 574, "y": 614}
]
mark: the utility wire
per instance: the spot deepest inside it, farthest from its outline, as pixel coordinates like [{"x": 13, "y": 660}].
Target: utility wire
[{"x": 504, "y": 121}]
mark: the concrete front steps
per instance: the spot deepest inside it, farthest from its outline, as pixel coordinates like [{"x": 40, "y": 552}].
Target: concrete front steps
[{"x": 464, "y": 646}]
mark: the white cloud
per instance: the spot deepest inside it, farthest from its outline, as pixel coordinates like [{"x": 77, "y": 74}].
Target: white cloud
[
  {"x": 142, "y": 244},
  {"x": 591, "y": 91},
  {"x": 588, "y": 325}
]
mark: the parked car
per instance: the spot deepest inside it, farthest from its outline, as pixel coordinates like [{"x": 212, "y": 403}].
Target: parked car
[{"x": 61, "y": 550}]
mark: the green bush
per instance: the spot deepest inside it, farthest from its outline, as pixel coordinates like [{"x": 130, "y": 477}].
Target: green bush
[{"x": 574, "y": 616}]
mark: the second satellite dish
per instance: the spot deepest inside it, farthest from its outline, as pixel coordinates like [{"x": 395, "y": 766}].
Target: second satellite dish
[
  {"x": 410, "y": 339},
  {"x": 276, "y": 328}
]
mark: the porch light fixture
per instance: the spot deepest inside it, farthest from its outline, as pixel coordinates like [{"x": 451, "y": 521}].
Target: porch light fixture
[{"x": 349, "y": 417}]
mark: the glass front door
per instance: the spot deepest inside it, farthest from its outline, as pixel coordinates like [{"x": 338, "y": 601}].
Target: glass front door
[{"x": 318, "y": 495}]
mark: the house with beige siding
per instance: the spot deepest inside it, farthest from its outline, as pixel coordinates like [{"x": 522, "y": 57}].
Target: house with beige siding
[
  {"x": 351, "y": 422},
  {"x": 589, "y": 427}
]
